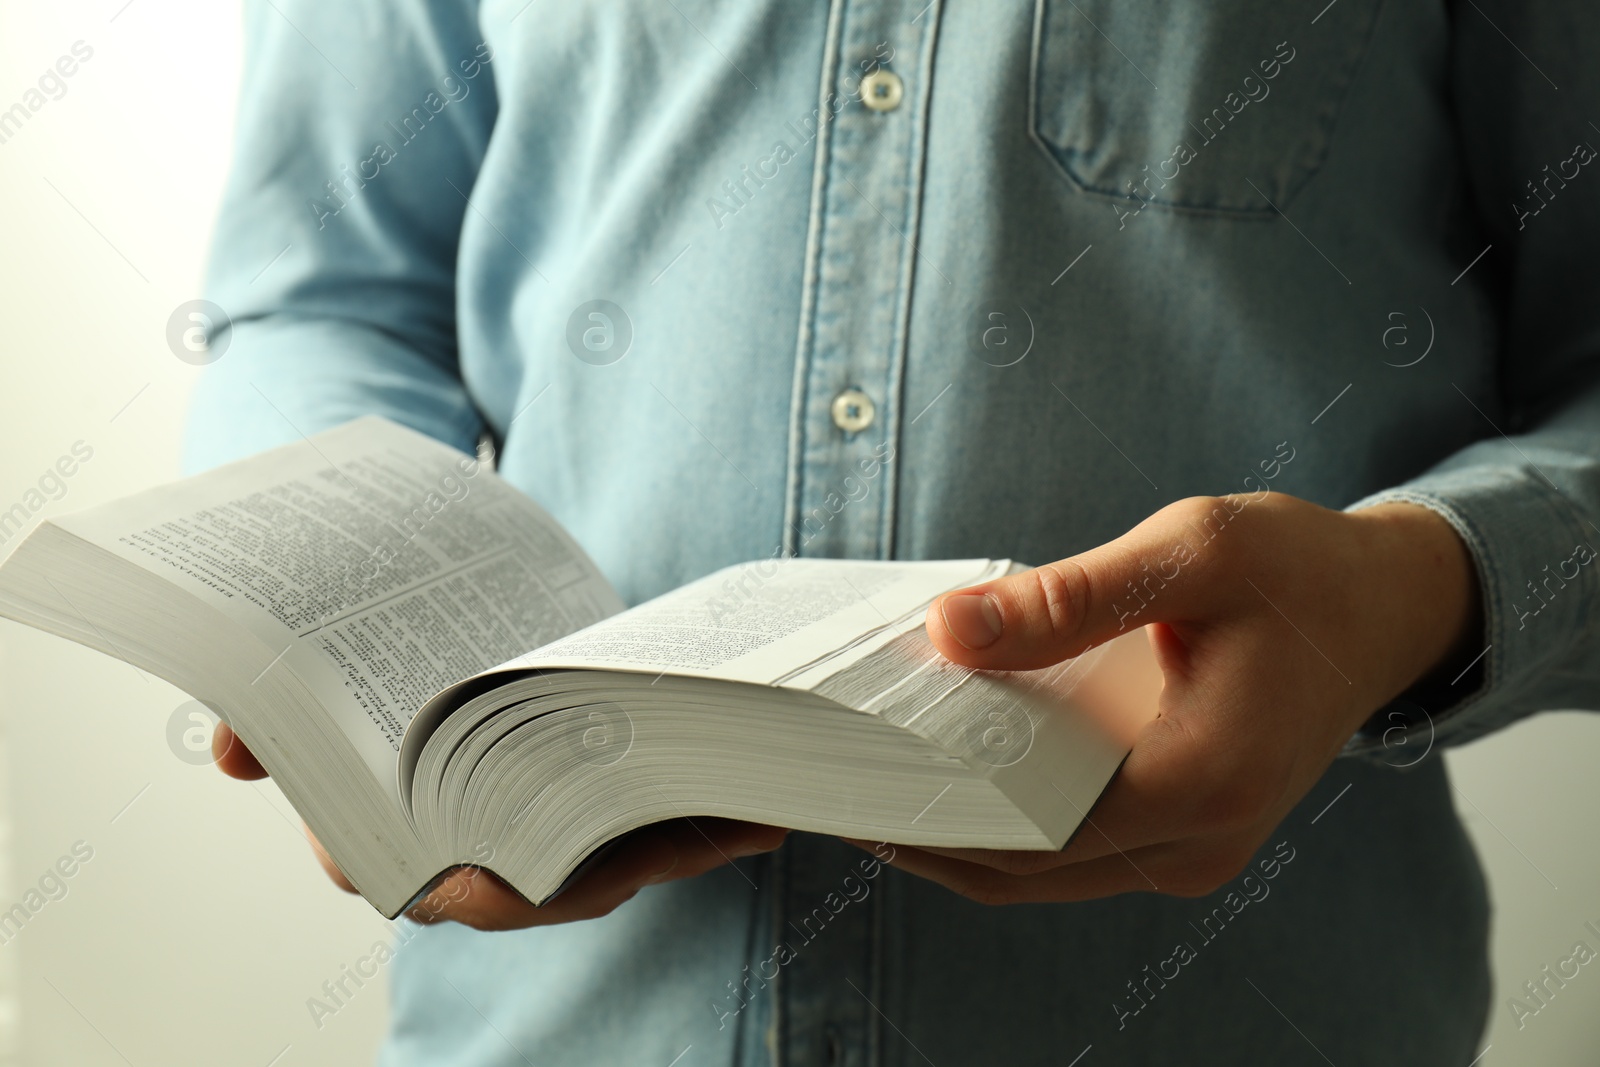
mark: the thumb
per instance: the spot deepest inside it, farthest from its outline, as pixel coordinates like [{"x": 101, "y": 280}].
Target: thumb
[{"x": 1042, "y": 616}]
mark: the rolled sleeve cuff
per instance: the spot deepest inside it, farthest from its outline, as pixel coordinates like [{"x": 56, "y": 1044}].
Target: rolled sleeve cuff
[
  {"x": 283, "y": 378},
  {"x": 1520, "y": 531}
]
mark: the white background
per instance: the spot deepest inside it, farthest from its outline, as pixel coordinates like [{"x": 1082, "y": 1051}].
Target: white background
[{"x": 201, "y": 926}]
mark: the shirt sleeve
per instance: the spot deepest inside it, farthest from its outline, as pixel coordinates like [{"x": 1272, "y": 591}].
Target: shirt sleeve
[
  {"x": 1525, "y": 497},
  {"x": 361, "y": 127}
]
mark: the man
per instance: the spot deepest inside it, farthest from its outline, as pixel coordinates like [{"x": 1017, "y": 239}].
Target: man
[{"x": 1143, "y": 288}]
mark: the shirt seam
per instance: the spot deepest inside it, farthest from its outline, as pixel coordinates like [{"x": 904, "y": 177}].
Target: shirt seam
[
  {"x": 805, "y": 340},
  {"x": 917, "y": 178}
]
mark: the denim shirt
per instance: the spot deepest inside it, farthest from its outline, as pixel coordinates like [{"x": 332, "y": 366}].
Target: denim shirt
[{"x": 909, "y": 279}]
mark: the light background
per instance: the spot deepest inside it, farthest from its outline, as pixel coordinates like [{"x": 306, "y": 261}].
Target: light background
[{"x": 201, "y": 926}]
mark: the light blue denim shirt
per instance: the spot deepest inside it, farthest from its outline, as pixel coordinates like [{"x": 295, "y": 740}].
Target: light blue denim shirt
[{"x": 952, "y": 278}]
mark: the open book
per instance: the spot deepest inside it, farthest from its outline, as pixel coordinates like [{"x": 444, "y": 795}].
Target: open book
[{"x": 436, "y": 674}]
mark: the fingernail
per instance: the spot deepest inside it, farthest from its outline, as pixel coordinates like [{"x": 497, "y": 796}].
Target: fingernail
[{"x": 972, "y": 618}]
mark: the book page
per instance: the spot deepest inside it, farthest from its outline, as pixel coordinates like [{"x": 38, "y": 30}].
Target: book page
[
  {"x": 767, "y": 621},
  {"x": 379, "y": 564}
]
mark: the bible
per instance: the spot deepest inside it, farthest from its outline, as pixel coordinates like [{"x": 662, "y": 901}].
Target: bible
[{"x": 437, "y": 675}]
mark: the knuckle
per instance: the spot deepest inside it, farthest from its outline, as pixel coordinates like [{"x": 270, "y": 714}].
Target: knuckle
[
  {"x": 986, "y": 891},
  {"x": 612, "y": 905},
  {"x": 428, "y": 912},
  {"x": 1195, "y": 510},
  {"x": 1194, "y": 886},
  {"x": 1208, "y": 875},
  {"x": 980, "y": 885},
  {"x": 1061, "y": 593},
  {"x": 1209, "y": 517},
  {"x": 1187, "y": 887},
  {"x": 1019, "y": 863}
]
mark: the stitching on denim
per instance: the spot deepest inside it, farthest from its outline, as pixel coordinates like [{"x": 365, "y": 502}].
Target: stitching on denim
[
  {"x": 917, "y": 179},
  {"x": 805, "y": 340},
  {"x": 1314, "y": 157}
]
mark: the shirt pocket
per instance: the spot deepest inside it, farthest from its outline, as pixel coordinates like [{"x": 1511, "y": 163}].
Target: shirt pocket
[{"x": 1186, "y": 103}]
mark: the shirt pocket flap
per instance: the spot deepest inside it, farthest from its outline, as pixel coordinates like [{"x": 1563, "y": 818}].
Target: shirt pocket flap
[{"x": 1189, "y": 103}]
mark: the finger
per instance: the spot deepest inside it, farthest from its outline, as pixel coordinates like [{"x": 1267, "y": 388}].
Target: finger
[
  {"x": 706, "y": 843},
  {"x": 1108, "y": 876},
  {"x": 232, "y": 758},
  {"x": 1040, "y": 617},
  {"x": 662, "y": 853},
  {"x": 1163, "y": 793},
  {"x": 1089, "y": 842},
  {"x": 476, "y": 898},
  {"x": 334, "y": 873},
  {"x": 666, "y": 852}
]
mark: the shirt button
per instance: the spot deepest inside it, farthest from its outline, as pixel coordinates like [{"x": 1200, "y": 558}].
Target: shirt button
[
  {"x": 882, "y": 90},
  {"x": 853, "y": 411}
]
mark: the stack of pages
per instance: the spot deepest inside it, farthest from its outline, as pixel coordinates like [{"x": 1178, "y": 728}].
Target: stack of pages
[{"x": 436, "y": 674}]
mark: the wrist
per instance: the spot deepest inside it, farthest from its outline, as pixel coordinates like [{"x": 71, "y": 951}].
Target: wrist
[{"x": 1430, "y": 605}]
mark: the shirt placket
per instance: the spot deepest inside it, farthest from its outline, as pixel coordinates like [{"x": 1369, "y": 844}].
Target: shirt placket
[{"x": 869, "y": 130}]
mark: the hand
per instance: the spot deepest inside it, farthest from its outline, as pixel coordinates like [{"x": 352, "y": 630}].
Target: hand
[
  {"x": 474, "y": 897},
  {"x": 1279, "y": 628}
]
